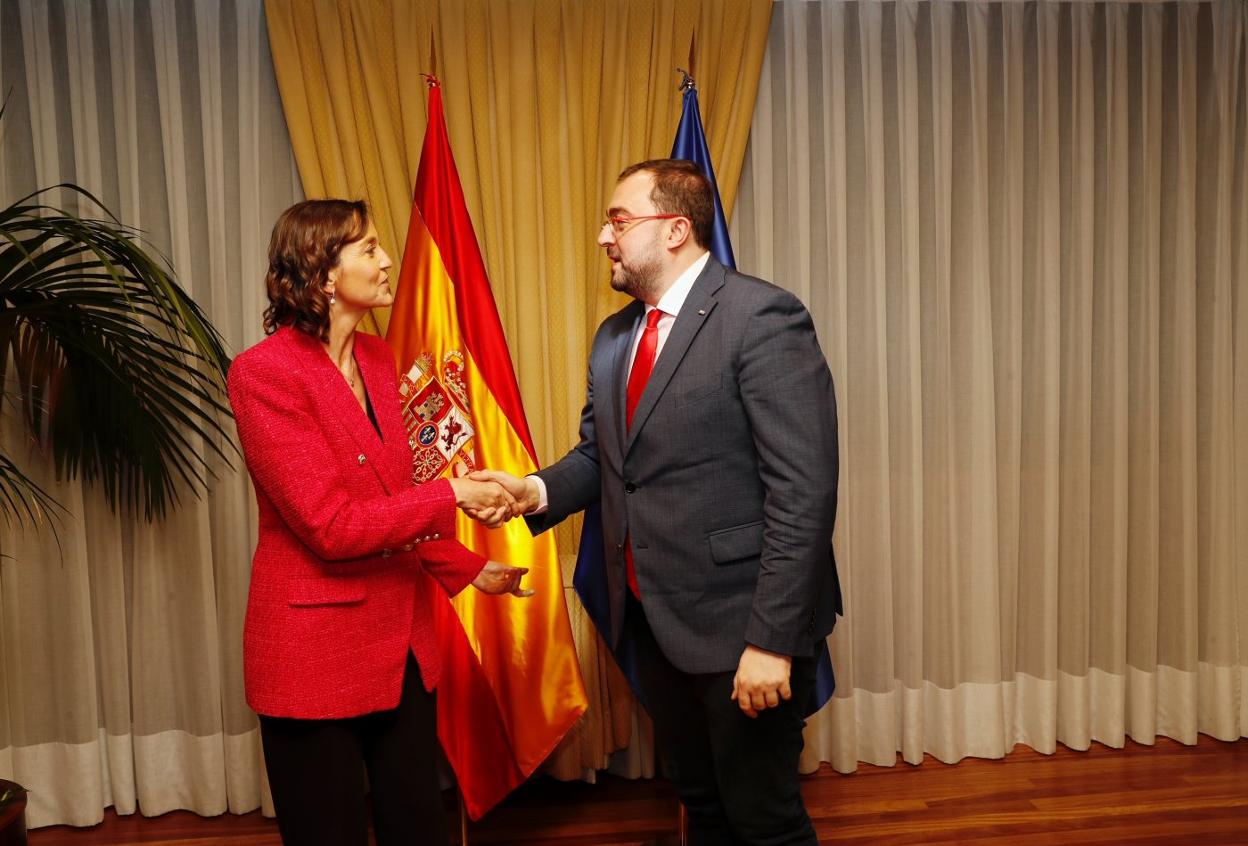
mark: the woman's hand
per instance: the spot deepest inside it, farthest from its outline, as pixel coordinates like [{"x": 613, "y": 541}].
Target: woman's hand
[
  {"x": 523, "y": 490},
  {"x": 496, "y": 579},
  {"x": 487, "y": 502}
]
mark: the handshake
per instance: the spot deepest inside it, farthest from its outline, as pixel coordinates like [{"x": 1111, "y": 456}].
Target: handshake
[{"x": 493, "y": 497}]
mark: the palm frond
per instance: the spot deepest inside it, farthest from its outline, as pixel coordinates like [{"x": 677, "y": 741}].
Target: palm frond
[
  {"x": 22, "y": 501},
  {"x": 117, "y": 371}
]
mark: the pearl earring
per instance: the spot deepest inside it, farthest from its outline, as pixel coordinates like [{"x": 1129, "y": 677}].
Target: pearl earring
[{"x": 332, "y": 298}]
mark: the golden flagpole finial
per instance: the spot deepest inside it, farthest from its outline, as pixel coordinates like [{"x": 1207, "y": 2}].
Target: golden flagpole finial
[
  {"x": 686, "y": 82},
  {"x": 431, "y": 78}
]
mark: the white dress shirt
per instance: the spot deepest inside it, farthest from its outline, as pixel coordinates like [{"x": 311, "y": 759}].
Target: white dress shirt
[{"x": 670, "y": 304}]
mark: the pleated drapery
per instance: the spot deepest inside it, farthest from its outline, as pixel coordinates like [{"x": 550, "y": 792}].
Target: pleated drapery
[
  {"x": 1022, "y": 229},
  {"x": 121, "y": 652}
]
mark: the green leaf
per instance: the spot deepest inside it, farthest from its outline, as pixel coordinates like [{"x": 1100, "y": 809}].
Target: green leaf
[{"x": 117, "y": 373}]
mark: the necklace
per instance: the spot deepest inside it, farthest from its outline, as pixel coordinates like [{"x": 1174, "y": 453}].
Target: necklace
[{"x": 351, "y": 376}]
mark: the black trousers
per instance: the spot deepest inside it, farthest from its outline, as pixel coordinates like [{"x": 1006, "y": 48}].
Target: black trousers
[
  {"x": 316, "y": 774},
  {"x": 736, "y": 776}
]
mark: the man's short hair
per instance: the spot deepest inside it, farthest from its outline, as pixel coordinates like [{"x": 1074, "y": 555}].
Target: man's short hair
[{"x": 681, "y": 188}]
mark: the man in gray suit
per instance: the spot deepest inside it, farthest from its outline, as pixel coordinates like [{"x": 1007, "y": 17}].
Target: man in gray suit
[{"x": 710, "y": 438}]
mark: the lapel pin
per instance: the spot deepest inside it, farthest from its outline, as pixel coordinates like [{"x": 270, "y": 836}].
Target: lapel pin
[{"x": 701, "y": 311}]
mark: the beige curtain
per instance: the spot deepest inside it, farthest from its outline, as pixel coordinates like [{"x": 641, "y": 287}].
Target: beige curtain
[
  {"x": 546, "y": 101},
  {"x": 1022, "y": 229},
  {"x": 120, "y": 654}
]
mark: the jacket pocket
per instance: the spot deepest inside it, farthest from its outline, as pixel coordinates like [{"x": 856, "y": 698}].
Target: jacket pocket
[
  {"x": 700, "y": 391},
  {"x": 736, "y": 543},
  {"x": 326, "y": 591}
]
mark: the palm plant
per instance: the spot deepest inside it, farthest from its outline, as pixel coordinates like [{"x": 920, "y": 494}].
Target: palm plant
[{"x": 117, "y": 373}]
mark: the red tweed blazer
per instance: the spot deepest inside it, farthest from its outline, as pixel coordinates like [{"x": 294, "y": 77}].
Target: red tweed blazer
[{"x": 350, "y": 552}]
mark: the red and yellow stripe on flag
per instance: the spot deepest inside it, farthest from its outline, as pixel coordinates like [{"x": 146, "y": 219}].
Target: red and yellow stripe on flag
[{"x": 512, "y": 685}]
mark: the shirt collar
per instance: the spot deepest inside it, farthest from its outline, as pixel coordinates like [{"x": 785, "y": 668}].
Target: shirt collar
[{"x": 671, "y": 302}]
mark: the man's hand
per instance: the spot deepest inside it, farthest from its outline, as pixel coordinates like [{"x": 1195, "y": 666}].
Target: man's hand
[
  {"x": 762, "y": 680},
  {"x": 496, "y": 578},
  {"x": 485, "y": 501},
  {"x": 524, "y": 491}
]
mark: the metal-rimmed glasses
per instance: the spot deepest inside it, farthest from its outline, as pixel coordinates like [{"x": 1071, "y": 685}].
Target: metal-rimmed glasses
[{"x": 620, "y": 225}]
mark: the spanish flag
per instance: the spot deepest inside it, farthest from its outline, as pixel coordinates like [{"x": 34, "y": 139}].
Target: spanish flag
[{"x": 512, "y": 685}]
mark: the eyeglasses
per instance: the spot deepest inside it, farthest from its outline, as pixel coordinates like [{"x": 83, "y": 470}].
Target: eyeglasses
[{"x": 620, "y": 225}]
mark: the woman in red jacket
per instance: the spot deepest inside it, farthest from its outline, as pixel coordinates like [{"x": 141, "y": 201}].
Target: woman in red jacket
[{"x": 339, "y": 658}]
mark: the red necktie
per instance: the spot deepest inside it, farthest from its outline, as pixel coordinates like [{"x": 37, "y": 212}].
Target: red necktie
[{"x": 643, "y": 363}]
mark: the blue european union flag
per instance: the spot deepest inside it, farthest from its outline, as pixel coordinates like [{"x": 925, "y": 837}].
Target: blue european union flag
[{"x": 691, "y": 145}]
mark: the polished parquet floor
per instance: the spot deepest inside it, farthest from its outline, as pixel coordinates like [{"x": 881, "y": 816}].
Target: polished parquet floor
[{"x": 1167, "y": 795}]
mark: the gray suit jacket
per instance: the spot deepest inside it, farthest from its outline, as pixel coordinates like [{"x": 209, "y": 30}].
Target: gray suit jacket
[{"x": 726, "y": 482}]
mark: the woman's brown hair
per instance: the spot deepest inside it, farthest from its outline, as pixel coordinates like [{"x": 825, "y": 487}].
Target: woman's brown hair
[{"x": 306, "y": 242}]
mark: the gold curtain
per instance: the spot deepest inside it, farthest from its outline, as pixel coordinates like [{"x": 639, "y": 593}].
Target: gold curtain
[{"x": 546, "y": 101}]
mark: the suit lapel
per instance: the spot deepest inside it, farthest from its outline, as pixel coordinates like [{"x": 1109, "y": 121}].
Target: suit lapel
[
  {"x": 334, "y": 395},
  {"x": 697, "y": 307},
  {"x": 620, "y": 367},
  {"x": 394, "y": 474}
]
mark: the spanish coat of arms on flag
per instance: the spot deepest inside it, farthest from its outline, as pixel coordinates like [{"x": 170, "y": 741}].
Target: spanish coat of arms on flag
[{"x": 438, "y": 417}]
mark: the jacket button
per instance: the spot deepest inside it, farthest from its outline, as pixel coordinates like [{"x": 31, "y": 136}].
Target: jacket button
[
  {"x": 407, "y": 547},
  {"x": 629, "y": 488},
  {"x": 360, "y": 458}
]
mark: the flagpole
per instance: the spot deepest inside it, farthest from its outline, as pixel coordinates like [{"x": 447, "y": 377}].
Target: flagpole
[{"x": 463, "y": 818}]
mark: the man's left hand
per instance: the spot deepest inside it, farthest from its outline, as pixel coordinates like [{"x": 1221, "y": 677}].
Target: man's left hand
[{"x": 762, "y": 680}]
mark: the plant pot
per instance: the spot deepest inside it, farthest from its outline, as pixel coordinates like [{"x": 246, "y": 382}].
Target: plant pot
[{"x": 13, "y": 816}]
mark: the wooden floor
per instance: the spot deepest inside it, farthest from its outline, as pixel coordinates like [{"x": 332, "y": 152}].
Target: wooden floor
[{"x": 1168, "y": 795}]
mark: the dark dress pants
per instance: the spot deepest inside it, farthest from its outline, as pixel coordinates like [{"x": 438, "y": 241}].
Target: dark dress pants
[
  {"x": 316, "y": 774},
  {"x": 736, "y": 776}
]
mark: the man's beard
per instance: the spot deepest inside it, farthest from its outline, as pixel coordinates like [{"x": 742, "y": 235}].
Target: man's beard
[{"x": 638, "y": 281}]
